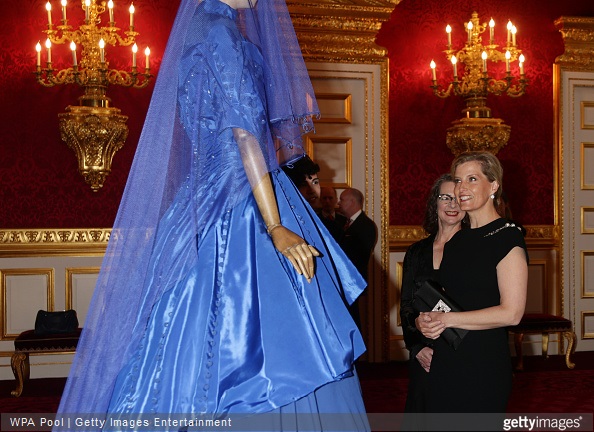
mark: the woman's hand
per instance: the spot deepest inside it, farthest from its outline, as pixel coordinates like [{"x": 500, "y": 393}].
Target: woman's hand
[
  {"x": 424, "y": 358},
  {"x": 430, "y": 324},
  {"x": 296, "y": 250}
]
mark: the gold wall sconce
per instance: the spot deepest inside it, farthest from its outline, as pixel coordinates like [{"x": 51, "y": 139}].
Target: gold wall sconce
[
  {"x": 93, "y": 129},
  {"x": 477, "y": 130}
]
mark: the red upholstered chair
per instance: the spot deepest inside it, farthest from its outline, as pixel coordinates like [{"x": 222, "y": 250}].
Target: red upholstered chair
[
  {"x": 544, "y": 324},
  {"x": 29, "y": 343}
]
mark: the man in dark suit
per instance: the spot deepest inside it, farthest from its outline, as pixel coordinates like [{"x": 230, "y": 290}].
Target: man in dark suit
[
  {"x": 359, "y": 236},
  {"x": 331, "y": 219}
]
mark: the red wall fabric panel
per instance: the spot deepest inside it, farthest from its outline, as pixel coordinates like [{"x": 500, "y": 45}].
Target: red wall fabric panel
[
  {"x": 40, "y": 186},
  {"x": 418, "y": 120}
]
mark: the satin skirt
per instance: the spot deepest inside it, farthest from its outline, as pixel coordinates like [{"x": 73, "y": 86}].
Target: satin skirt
[{"x": 236, "y": 329}]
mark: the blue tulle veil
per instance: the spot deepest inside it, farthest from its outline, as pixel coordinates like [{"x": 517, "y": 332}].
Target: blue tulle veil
[{"x": 118, "y": 310}]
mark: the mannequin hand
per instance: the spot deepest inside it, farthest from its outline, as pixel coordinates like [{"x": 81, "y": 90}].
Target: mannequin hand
[
  {"x": 296, "y": 250},
  {"x": 428, "y": 323}
]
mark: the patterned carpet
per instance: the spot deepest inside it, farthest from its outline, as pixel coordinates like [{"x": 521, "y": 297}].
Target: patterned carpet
[{"x": 545, "y": 386}]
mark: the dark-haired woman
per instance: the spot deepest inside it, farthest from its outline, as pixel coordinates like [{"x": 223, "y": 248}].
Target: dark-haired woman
[{"x": 443, "y": 218}]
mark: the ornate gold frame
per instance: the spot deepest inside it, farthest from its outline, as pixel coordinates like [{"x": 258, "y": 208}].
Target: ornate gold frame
[
  {"x": 71, "y": 271},
  {"x": 584, "y": 146},
  {"x": 310, "y": 147},
  {"x": 344, "y": 103},
  {"x": 48, "y": 272}
]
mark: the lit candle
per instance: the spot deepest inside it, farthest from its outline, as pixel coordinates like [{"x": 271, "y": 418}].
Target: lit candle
[
  {"x": 147, "y": 51},
  {"x": 38, "y": 49},
  {"x": 48, "y": 45},
  {"x": 48, "y": 7},
  {"x": 132, "y": 15},
  {"x": 507, "y": 57},
  {"x": 102, "y": 49},
  {"x": 509, "y": 27},
  {"x": 484, "y": 57},
  {"x": 87, "y": 6},
  {"x": 522, "y": 59},
  {"x": 64, "y": 3},
  {"x": 454, "y": 60},
  {"x": 73, "y": 48},
  {"x": 492, "y": 31},
  {"x": 514, "y": 30},
  {"x": 110, "y": 6},
  {"x": 432, "y": 65},
  {"x": 470, "y": 32},
  {"x": 134, "y": 51},
  {"x": 449, "y": 32}
]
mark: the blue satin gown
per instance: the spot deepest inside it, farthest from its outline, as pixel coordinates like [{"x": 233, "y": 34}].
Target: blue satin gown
[{"x": 236, "y": 329}]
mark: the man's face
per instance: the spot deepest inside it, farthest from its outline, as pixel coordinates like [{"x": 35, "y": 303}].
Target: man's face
[
  {"x": 328, "y": 199},
  {"x": 348, "y": 205}
]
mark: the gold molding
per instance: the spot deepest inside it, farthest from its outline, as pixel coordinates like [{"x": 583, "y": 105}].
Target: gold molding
[
  {"x": 583, "y": 184},
  {"x": 70, "y": 272},
  {"x": 578, "y": 38},
  {"x": 586, "y": 335},
  {"x": 344, "y": 101},
  {"x": 583, "y": 106},
  {"x": 53, "y": 241},
  {"x": 584, "y": 254},
  {"x": 310, "y": 147},
  {"x": 402, "y": 236},
  {"x": 50, "y": 287},
  {"x": 340, "y": 30},
  {"x": 584, "y": 228}
]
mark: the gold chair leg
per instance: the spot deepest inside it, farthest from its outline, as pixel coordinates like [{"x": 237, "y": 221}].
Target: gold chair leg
[
  {"x": 21, "y": 369},
  {"x": 570, "y": 336},
  {"x": 518, "y": 339},
  {"x": 545, "y": 345}
]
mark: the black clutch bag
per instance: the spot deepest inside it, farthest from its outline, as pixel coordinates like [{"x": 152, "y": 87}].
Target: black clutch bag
[
  {"x": 431, "y": 297},
  {"x": 55, "y": 322}
]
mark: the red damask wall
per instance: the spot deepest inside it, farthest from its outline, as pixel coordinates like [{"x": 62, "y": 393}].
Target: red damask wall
[
  {"x": 418, "y": 120},
  {"x": 40, "y": 186},
  {"x": 39, "y": 182}
]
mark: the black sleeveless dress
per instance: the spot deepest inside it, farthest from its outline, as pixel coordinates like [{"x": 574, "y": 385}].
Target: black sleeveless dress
[{"x": 477, "y": 377}]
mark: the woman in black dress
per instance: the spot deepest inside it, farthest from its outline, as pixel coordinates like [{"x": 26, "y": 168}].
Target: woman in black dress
[
  {"x": 485, "y": 270},
  {"x": 443, "y": 218}
]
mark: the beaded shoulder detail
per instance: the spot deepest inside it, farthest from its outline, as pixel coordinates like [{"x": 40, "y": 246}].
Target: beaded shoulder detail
[{"x": 507, "y": 225}]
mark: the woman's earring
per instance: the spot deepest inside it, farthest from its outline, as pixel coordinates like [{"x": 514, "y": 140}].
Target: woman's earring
[{"x": 492, "y": 196}]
